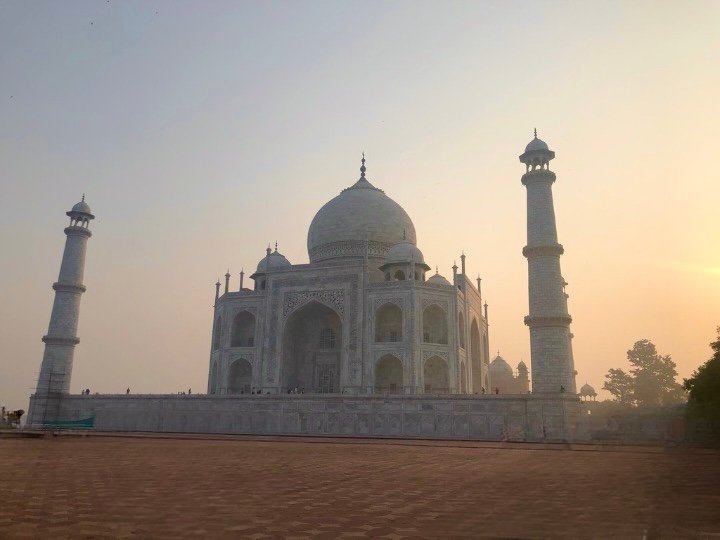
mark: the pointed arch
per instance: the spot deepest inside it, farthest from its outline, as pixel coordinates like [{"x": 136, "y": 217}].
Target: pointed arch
[
  {"x": 239, "y": 377},
  {"x": 388, "y": 323},
  {"x": 435, "y": 375},
  {"x": 435, "y": 328},
  {"x": 212, "y": 384},
  {"x": 217, "y": 334},
  {"x": 389, "y": 375},
  {"x": 461, "y": 330},
  {"x": 475, "y": 364},
  {"x": 243, "y": 330},
  {"x": 312, "y": 346}
]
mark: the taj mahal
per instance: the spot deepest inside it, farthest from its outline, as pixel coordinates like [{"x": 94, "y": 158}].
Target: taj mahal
[{"x": 363, "y": 340}]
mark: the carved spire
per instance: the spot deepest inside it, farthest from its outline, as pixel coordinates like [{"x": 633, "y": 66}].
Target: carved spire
[{"x": 362, "y": 166}]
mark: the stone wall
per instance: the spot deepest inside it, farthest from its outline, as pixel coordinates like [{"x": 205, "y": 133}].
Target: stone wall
[{"x": 488, "y": 417}]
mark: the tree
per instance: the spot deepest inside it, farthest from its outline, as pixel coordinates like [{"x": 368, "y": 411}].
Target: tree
[
  {"x": 654, "y": 376},
  {"x": 651, "y": 381},
  {"x": 704, "y": 389},
  {"x": 620, "y": 385}
]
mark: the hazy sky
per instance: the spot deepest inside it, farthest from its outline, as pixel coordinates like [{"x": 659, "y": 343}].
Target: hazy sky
[{"x": 202, "y": 131}]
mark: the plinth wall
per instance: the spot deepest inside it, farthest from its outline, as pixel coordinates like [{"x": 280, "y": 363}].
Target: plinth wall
[{"x": 486, "y": 417}]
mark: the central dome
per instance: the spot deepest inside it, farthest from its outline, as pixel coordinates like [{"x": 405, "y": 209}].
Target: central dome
[{"x": 360, "y": 213}]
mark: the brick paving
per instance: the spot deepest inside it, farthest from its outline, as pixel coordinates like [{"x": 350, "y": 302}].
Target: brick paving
[{"x": 113, "y": 487}]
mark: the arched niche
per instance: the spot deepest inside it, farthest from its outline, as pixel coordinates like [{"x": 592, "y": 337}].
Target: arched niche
[
  {"x": 217, "y": 334},
  {"x": 435, "y": 328},
  {"x": 436, "y": 377},
  {"x": 399, "y": 275},
  {"x": 312, "y": 346},
  {"x": 475, "y": 364},
  {"x": 239, "y": 377},
  {"x": 388, "y": 323},
  {"x": 389, "y": 375},
  {"x": 212, "y": 386},
  {"x": 461, "y": 330},
  {"x": 243, "y": 330}
]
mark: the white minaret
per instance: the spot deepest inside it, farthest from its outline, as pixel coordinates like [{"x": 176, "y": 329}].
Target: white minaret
[
  {"x": 61, "y": 338},
  {"x": 549, "y": 321}
]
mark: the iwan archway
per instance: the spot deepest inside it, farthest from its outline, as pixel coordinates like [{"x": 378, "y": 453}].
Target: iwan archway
[{"x": 312, "y": 346}]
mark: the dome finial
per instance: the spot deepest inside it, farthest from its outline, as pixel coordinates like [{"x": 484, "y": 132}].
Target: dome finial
[
  {"x": 83, "y": 198},
  {"x": 362, "y": 166},
  {"x": 536, "y": 133},
  {"x": 275, "y": 245}
]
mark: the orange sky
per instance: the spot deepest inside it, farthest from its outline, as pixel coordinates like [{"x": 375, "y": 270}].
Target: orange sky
[{"x": 200, "y": 135}]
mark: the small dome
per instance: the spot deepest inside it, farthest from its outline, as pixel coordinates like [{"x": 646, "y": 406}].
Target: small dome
[
  {"x": 82, "y": 206},
  {"x": 277, "y": 260},
  {"x": 522, "y": 367},
  {"x": 587, "y": 390},
  {"x": 404, "y": 252},
  {"x": 438, "y": 281},
  {"x": 499, "y": 365},
  {"x": 536, "y": 144}
]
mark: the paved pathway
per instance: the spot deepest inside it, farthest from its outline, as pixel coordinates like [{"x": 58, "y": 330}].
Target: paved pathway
[{"x": 113, "y": 487}]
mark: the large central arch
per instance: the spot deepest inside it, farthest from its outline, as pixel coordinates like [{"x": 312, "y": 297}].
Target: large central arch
[{"x": 312, "y": 346}]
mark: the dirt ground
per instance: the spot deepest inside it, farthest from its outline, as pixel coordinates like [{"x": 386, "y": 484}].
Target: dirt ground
[{"x": 146, "y": 487}]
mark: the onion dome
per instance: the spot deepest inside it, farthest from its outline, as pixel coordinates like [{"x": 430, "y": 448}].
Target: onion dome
[
  {"x": 273, "y": 260},
  {"x": 587, "y": 390},
  {"x": 361, "y": 219},
  {"x": 438, "y": 281},
  {"x": 500, "y": 366},
  {"x": 522, "y": 368}
]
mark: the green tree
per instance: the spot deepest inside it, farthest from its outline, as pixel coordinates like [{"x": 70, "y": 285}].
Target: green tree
[
  {"x": 620, "y": 385},
  {"x": 704, "y": 389},
  {"x": 651, "y": 381}
]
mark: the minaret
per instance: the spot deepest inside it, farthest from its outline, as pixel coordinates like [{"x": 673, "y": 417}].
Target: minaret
[
  {"x": 549, "y": 321},
  {"x": 61, "y": 338}
]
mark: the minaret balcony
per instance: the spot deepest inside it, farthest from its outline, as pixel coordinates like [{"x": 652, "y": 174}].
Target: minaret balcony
[
  {"x": 69, "y": 287},
  {"x": 543, "y": 251},
  {"x": 556, "y": 320}
]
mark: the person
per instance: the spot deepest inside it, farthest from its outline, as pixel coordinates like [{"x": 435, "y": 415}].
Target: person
[
  {"x": 482, "y": 390},
  {"x": 497, "y": 390},
  {"x": 562, "y": 389},
  {"x": 127, "y": 391},
  {"x": 189, "y": 390}
]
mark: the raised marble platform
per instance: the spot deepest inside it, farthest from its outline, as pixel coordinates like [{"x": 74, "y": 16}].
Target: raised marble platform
[{"x": 486, "y": 417}]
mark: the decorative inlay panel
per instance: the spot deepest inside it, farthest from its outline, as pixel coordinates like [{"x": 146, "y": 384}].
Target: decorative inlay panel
[
  {"x": 441, "y": 302},
  {"x": 430, "y": 353},
  {"x": 349, "y": 248},
  {"x": 397, "y": 300},
  {"x": 334, "y": 298}
]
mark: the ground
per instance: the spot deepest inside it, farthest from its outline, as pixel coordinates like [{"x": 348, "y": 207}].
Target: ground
[{"x": 235, "y": 487}]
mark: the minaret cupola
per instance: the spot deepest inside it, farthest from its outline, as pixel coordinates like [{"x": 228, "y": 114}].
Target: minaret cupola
[
  {"x": 537, "y": 155},
  {"x": 80, "y": 215}
]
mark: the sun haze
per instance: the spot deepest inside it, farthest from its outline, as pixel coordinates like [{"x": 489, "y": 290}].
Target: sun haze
[{"x": 202, "y": 133}]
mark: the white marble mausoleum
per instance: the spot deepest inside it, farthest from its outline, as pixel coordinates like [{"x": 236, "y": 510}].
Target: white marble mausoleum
[{"x": 364, "y": 316}]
